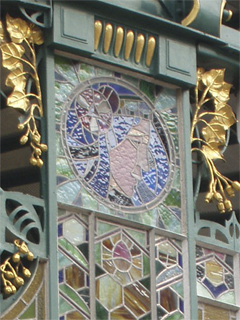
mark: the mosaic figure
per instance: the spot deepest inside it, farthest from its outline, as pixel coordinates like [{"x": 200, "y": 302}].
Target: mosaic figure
[{"x": 116, "y": 143}]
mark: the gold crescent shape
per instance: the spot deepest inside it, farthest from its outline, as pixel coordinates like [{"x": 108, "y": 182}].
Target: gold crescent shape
[{"x": 192, "y": 14}]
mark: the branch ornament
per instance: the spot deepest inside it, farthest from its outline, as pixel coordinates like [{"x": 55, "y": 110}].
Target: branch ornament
[
  {"x": 19, "y": 57},
  {"x": 212, "y": 118},
  {"x": 13, "y": 271}
]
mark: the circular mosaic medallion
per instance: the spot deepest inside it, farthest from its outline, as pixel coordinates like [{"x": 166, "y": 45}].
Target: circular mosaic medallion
[{"x": 118, "y": 146}]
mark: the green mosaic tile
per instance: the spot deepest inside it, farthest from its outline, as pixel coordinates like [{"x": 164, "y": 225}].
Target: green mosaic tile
[
  {"x": 73, "y": 251},
  {"x": 72, "y": 295},
  {"x": 30, "y": 313},
  {"x": 64, "y": 306}
]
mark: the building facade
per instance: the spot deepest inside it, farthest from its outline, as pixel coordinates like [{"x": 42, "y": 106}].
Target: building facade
[{"x": 120, "y": 160}]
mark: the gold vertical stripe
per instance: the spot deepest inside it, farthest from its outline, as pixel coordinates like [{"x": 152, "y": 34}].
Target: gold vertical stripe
[
  {"x": 139, "y": 47},
  {"x": 129, "y": 44},
  {"x": 118, "y": 41},
  {"x": 150, "y": 50},
  {"x": 97, "y": 33},
  {"x": 107, "y": 37}
]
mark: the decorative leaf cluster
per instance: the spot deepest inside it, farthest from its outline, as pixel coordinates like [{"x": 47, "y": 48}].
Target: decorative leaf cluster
[
  {"x": 19, "y": 57},
  {"x": 12, "y": 269},
  {"x": 213, "y": 91}
]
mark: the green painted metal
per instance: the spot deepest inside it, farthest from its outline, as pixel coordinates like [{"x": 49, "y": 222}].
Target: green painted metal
[
  {"x": 49, "y": 178},
  {"x": 73, "y": 29},
  {"x": 190, "y": 293},
  {"x": 175, "y": 60},
  {"x": 22, "y": 217},
  {"x": 208, "y": 17}
]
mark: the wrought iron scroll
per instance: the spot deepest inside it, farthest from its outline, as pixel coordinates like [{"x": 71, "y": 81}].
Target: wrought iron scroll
[
  {"x": 18, "y": 39},
  {"x": 212, "y": 119},
  {"x": 227, "y": 236}
]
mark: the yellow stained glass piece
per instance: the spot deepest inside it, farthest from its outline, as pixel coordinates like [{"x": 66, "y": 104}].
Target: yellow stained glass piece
[
  {"x": 214, "y": 272},
  {"x": 74, "y": 277},
  {"x": 211, "y": 312},
  {"x": 109, "y": 266},
  {"x": 135, "y": 273},
  {"x": 107, "y": 254},
  {"x": 137, "y": 262},
  {"x": 116, "y": 238},
  {"x": 109, "y": 292},
  {"x": 75, "y": 316}
]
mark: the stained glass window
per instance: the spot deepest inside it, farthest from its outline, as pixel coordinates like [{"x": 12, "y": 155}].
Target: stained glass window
[
  {"x": 208, "y": 312},
  {"x": 122, "y": 272},
  {"x": 73, "y": 269},
  {"x": 117, "y": 145},
  {"x": 215, "y": 275},
  {"x": 169, "y": 278}
]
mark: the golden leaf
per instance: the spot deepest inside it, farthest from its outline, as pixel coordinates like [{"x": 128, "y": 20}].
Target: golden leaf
[
  {"x": 16, "y": 78},
  {"x": 11, "y": 52},
  {"x": 18, "y": 29},
  {"x": 212, "y": 153},
  {"x": 19, "y": 100},
  {"x": 3, "y": 35},
  {"x": 213, "y": 78},
  {"x": 218, "y": 88},
  {"x": 36, "y": 35},
  {"x": 214, "y": 133},
  {"x": 228, "y": 117},
  {"x": 221, "y": 94}
]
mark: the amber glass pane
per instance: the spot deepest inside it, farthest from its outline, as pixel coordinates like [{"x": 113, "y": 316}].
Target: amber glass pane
[{"x": 208, "y": 312}]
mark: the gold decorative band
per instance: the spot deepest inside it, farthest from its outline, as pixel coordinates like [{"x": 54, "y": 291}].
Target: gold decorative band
[{"x": 124, "y": 41}]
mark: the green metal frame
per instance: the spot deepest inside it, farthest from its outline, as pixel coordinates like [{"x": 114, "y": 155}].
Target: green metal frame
[{"x": 174, "y": 61}]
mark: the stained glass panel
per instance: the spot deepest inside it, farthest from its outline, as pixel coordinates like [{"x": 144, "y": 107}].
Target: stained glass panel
[
  {"x": 208, "y": 312},
  {"x": 73, "y": 267},
  {"x": 117, "y": 145},
  {"x": 169, "y": 278},
  {"x": 122, "y": 272},
  {"x": 215, "y": 275}
]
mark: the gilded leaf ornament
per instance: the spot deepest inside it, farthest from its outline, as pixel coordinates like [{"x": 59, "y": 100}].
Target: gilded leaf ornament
[
  {"x": 211, "y": 120},
  {"x": 18, "y": 39}
]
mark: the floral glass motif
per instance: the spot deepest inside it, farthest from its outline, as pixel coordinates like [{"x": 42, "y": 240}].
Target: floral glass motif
[
  {"x": 122, "y": 273},
  {"x": 117, "y": 145},
  {"x": 208, "y": 312},
  {"x": 215, "y": 275},
  {"x": 73, "y": 269},
  {"x": 169, "y": 278}
]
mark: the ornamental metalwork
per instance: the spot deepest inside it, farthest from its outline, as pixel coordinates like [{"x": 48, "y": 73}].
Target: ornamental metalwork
[
  {"x": 18, "y": 39},
  {"x": 212, "y": 119},
  {"x": 22, "y": 245},
  {"x": 13, "y": 270},
  {"x": 126, "y": 43}
]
